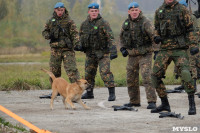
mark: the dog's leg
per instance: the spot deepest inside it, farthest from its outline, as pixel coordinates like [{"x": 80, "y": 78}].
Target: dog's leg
[
  {"x": 84, "y": 105},
  {"x": 68, "y": 100},
  {"x": 53, "y": 95},
  {"x": 65, "y": 104}
]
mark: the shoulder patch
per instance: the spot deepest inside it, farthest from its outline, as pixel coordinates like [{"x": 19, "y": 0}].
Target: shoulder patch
[
  {"x": 161, "y": 11},
  {"x": 126, "y": 23},
  {"x": 53, "y": 19},
  {"x": 95, "y": 27}
]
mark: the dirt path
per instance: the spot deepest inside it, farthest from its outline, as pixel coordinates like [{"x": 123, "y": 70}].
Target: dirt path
[{"x": 101, "y": 118}]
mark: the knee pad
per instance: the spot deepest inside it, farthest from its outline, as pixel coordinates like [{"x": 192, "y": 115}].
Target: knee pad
[{"x": 186, "y": 76}]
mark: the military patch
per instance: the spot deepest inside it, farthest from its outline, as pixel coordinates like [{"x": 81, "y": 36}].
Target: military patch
[
  {"x": 126, "y": 23},
  {"x": 95, "y": 27},
  {"x": 53, "y": 19},
  {"x": 161, "y": 11}
]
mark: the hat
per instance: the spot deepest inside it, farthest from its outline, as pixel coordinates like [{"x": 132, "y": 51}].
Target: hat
[
  {"x": 59, "y": 5},
  {"x": 183, "y": 2},
  {"x": 133, "y": 5},
  {"x": 93, "y": 6}
]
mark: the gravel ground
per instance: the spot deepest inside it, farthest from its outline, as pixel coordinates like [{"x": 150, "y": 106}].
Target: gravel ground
[{"x": 101, "y": 118}]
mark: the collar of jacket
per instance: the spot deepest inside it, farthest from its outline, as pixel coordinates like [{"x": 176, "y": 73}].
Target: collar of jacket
[
  {"x": 137, "y": 19},
  {"x": 171, "y": 5},
  {"x": 89, "y": 19},
  {"x": 65, "y": 15}
]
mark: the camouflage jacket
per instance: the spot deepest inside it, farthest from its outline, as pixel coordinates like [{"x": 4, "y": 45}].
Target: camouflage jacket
[
  {"x": 174, "y": 25},
  {"x": 137, "y": 35},
  {"x": 96, "y": 35},
  {"x": 61, "y": 31}
]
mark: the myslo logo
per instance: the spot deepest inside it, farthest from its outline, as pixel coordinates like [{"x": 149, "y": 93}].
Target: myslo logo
[{"x": 185, "y": 129}]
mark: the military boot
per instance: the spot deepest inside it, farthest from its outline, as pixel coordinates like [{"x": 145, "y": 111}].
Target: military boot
[
  {"x": 88, "y": 95},
  {"x": 192, "y": 108},
  {"x": 179, "y": 88},
  {"x": 112, "y": 96},
  {"x": 163, "y": 107}
]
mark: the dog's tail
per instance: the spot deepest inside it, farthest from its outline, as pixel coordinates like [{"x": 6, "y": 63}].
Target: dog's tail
[{"x": 50, "y": 73}]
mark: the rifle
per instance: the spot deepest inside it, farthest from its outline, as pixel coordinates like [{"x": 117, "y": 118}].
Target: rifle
[
  {"x": 68, "y": 42},
  {"x": 170, "y": 114},
  {"x": 116, "y": 108},
  {"x": 174, "y": 91}
]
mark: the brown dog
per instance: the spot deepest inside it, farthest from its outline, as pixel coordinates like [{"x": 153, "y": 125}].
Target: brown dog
[{"x": 70, "y": 92}]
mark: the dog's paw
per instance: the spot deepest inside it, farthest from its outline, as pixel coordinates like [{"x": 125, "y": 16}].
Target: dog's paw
[
  {"x": 74, "y": 108},
  {"x": 88, "y": 108}
]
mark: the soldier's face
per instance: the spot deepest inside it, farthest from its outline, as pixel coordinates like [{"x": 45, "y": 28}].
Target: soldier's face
[
  {"x": 59, "y": 11},
  {"x": 134, "y": 12},
  {"x": 169, "y": 1},
  {"x": 93, "y": 13}
]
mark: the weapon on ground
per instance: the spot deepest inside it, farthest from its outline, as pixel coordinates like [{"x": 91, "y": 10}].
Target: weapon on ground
[
  {"x": 170, "y": 114},
  {"x": 116, "y": 108},
  {"x": 174, "y": 91},
  {"x": 198, "y": 94}
]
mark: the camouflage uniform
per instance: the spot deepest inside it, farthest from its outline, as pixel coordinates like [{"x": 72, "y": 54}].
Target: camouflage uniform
[
  {"x": 193, "y": 59},
  {"x": 136, "y": 36},
  {"x": 173, "y": 45},
  {"x": 63, "y": 37},
  {"x": 173, "y": 24},
  {"x": 97, "y": 41}
]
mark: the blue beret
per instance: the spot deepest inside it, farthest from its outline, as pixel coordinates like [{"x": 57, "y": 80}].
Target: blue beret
[
  {"x": 183, "y": 2},
  {"x": 133, "y": 5},
  {"x": 93, "y": 6},
  {"x": 59, "y": 5}
]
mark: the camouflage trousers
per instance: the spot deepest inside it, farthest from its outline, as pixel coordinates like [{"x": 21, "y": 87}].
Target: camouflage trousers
[
  {"x": 194, "y": 65},
  {"x": 181, "y": 60},
  {"x": 68, "y": 57},
  {"x": 134, "y": 64},
  {"x": 91, "y": 65}
]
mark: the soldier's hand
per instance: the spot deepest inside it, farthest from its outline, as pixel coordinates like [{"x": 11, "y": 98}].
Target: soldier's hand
[
  {"x": 157, "y": 39},
  {"x": 194, "y": 50},
  {"x": 78, "y": 48},
  {"x": 113, "y": 55},
  {"x": 124, "y": 51}
]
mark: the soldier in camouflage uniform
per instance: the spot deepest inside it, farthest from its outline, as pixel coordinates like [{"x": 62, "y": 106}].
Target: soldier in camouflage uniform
[
  {"x": 174, "y": 29},
  {"x": 193, "y": 59},
  {"x": 97, "y": 42},
  {"x": 63, "y": 36},
  {"x": 136, "y": 39}
]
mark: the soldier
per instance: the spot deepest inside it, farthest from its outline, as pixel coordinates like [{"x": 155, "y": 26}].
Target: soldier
[
  {"x": 63, "y": 36},
  {"x": 97, "y": 42},
  {"x": 193, "y": 59},
  {"x": 174, "y": 29},
  {"x": 136, "y": 39}
]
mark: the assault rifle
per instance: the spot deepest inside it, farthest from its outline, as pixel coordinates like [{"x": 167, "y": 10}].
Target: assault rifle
[
  {"x": 68, "y": 42},
  {"x": 197, "y": 12},
  {"x": 170, "y": 114},
  {"x": 116, "y": 108}
]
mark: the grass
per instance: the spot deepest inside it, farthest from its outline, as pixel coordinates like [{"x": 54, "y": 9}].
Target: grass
[
  {"x": 29, "y": 76},
  {"x": 9, "y": 125}
]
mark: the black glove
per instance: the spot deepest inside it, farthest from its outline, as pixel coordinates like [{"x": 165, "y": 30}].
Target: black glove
[
  {"x": 194, "y": 50},
  {"x": 124, "y": 51},
  {"x": 157, "y": 39},
  {"x": 113, "y": 56},
  {"x": 155, "y": 54},
  {"x": 78, "y": 48}
]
